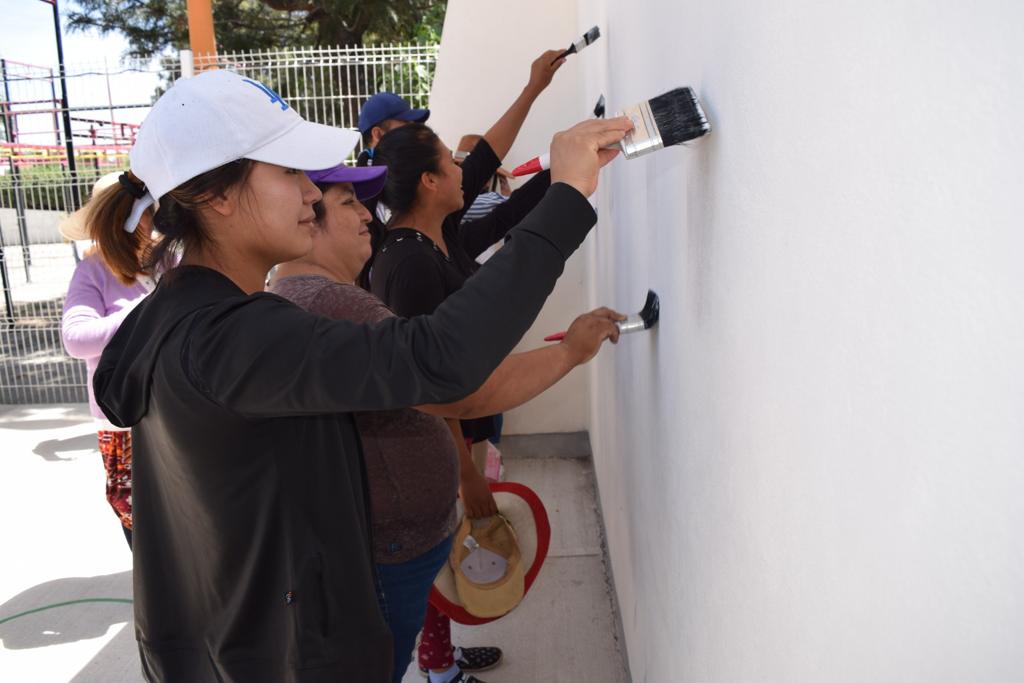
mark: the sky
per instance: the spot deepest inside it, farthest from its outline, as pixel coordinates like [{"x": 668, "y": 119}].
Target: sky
[{"x": 26, "y": 35}]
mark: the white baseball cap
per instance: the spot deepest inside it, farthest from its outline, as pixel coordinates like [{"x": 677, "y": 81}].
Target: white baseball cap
[{"x": 220, "y": 116}]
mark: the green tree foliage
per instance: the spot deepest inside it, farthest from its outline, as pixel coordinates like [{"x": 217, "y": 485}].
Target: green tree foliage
[{"x": 152, "y": 26}]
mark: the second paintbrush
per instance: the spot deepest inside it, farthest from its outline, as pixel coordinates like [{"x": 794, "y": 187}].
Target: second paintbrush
[{"x": 586, "y": 39}]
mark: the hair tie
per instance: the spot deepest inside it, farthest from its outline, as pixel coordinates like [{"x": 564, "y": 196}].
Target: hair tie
[{"x": 134, "y": 189}]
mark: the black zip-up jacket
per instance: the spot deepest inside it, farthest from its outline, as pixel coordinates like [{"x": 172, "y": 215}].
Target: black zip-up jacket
[{"x": 252, "y": 545}]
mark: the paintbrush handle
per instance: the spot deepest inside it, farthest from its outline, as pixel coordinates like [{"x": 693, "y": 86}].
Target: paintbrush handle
[
  {"x": 571, "y": 50},
  {"x": 631, "y": 324},
  {"x": 534, "y": 165},
  {"x": 538, "y": 164}
]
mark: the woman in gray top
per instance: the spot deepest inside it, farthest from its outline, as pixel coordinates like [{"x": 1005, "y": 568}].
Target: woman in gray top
[{"x": 411, "y": 458}]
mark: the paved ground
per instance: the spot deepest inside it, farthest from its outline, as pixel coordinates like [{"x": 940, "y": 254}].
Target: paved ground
[{"x": 65, "y": 577}]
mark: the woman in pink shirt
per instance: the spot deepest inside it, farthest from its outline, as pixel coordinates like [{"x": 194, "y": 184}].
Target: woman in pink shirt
[{"x": 98, "y": 299}]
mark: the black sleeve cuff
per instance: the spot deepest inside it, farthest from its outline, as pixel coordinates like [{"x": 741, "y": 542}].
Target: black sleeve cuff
[
  {"x": 486, "y": 154},
  {"x": 479, "y": 166}
]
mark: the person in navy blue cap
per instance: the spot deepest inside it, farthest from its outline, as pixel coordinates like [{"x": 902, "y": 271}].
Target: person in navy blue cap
[{"x": 380, "y": 113}]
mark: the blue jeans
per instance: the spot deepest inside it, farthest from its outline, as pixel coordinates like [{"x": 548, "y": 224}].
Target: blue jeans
[{"x": 404, "y": 589}]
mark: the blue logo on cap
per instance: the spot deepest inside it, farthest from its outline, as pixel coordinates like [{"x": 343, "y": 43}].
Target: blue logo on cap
[{"x": 274, "y": 97}]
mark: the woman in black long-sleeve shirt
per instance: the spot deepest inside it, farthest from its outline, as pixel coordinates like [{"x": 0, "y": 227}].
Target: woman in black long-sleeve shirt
[
  {"x": 252, "y": 554},
  {"x": 446, "y": 251},
  {"x": 426, "y": 254}
]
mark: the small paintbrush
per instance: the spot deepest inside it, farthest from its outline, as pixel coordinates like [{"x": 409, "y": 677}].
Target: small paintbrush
[
  {"x": 599, "y": 108},
  {"x": 669, "y": 119},
  {"x": 644, "y": 320},
  {"x": 586, "y": 39}
]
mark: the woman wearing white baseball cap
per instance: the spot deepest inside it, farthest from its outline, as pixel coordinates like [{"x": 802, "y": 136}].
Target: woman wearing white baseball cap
[{"x": 252, "y": 546}]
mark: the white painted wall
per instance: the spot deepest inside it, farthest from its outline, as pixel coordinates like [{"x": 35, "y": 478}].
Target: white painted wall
[
  {"x": 813, "y": 471},
  {"x": 486, "y": 52}
]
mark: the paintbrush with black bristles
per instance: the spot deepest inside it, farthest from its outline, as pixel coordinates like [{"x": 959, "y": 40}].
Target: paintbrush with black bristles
[
  {"x": 644, "y": 320},
  {"x": 586, "y": 39},
  {"x": 668, "y": 119}
]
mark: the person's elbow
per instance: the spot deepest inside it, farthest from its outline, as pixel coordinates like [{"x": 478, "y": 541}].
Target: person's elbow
[
  {"x": 82, "y": 332},
  {"x": 461, "y": 399},
  {"x": 76, "y": 344},
  {"x": 447, "y": 410},
  {"x": 465, "y": 409}
]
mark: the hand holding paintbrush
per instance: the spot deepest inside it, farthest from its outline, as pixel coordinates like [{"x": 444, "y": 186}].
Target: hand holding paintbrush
[
  {"x": 543, "y": 69},
  {"x": 584, "y": 337},
  {"x": 577, "y": 154},
  {"x": 644, "y": 320}
]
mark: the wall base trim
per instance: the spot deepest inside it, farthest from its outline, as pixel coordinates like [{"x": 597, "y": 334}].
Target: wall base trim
[{"x": 553, "y": 445}]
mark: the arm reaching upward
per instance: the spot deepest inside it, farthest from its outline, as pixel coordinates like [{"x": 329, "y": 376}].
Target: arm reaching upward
[{"x": 503, "y": 133}]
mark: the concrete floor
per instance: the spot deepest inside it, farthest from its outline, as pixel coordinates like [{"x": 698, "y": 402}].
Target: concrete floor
[{"x": 62, "y": 545}]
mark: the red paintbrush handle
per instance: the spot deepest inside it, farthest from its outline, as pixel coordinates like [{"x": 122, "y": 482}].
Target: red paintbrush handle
[
  {"x": 557, "y": 336},
  {"x": 535, "y": 165}
]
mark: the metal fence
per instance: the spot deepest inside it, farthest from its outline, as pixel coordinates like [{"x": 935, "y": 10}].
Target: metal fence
[{"x": 40, "y": 182}]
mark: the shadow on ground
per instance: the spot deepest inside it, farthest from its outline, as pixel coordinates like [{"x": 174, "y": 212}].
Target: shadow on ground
[
  {"x": 13, "y": 422},
  {"x": 50, "y": 448},
  {"x": 65, "y": 611}
]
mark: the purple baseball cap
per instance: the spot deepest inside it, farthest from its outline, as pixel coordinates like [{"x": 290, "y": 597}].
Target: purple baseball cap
[{"x": 367, "y": 181}]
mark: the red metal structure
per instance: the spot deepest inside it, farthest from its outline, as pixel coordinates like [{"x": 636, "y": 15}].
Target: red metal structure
[{"x": 30, "y": 91}]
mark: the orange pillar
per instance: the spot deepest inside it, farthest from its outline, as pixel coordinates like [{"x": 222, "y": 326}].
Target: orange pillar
[{"x": 200, "y": 31}]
